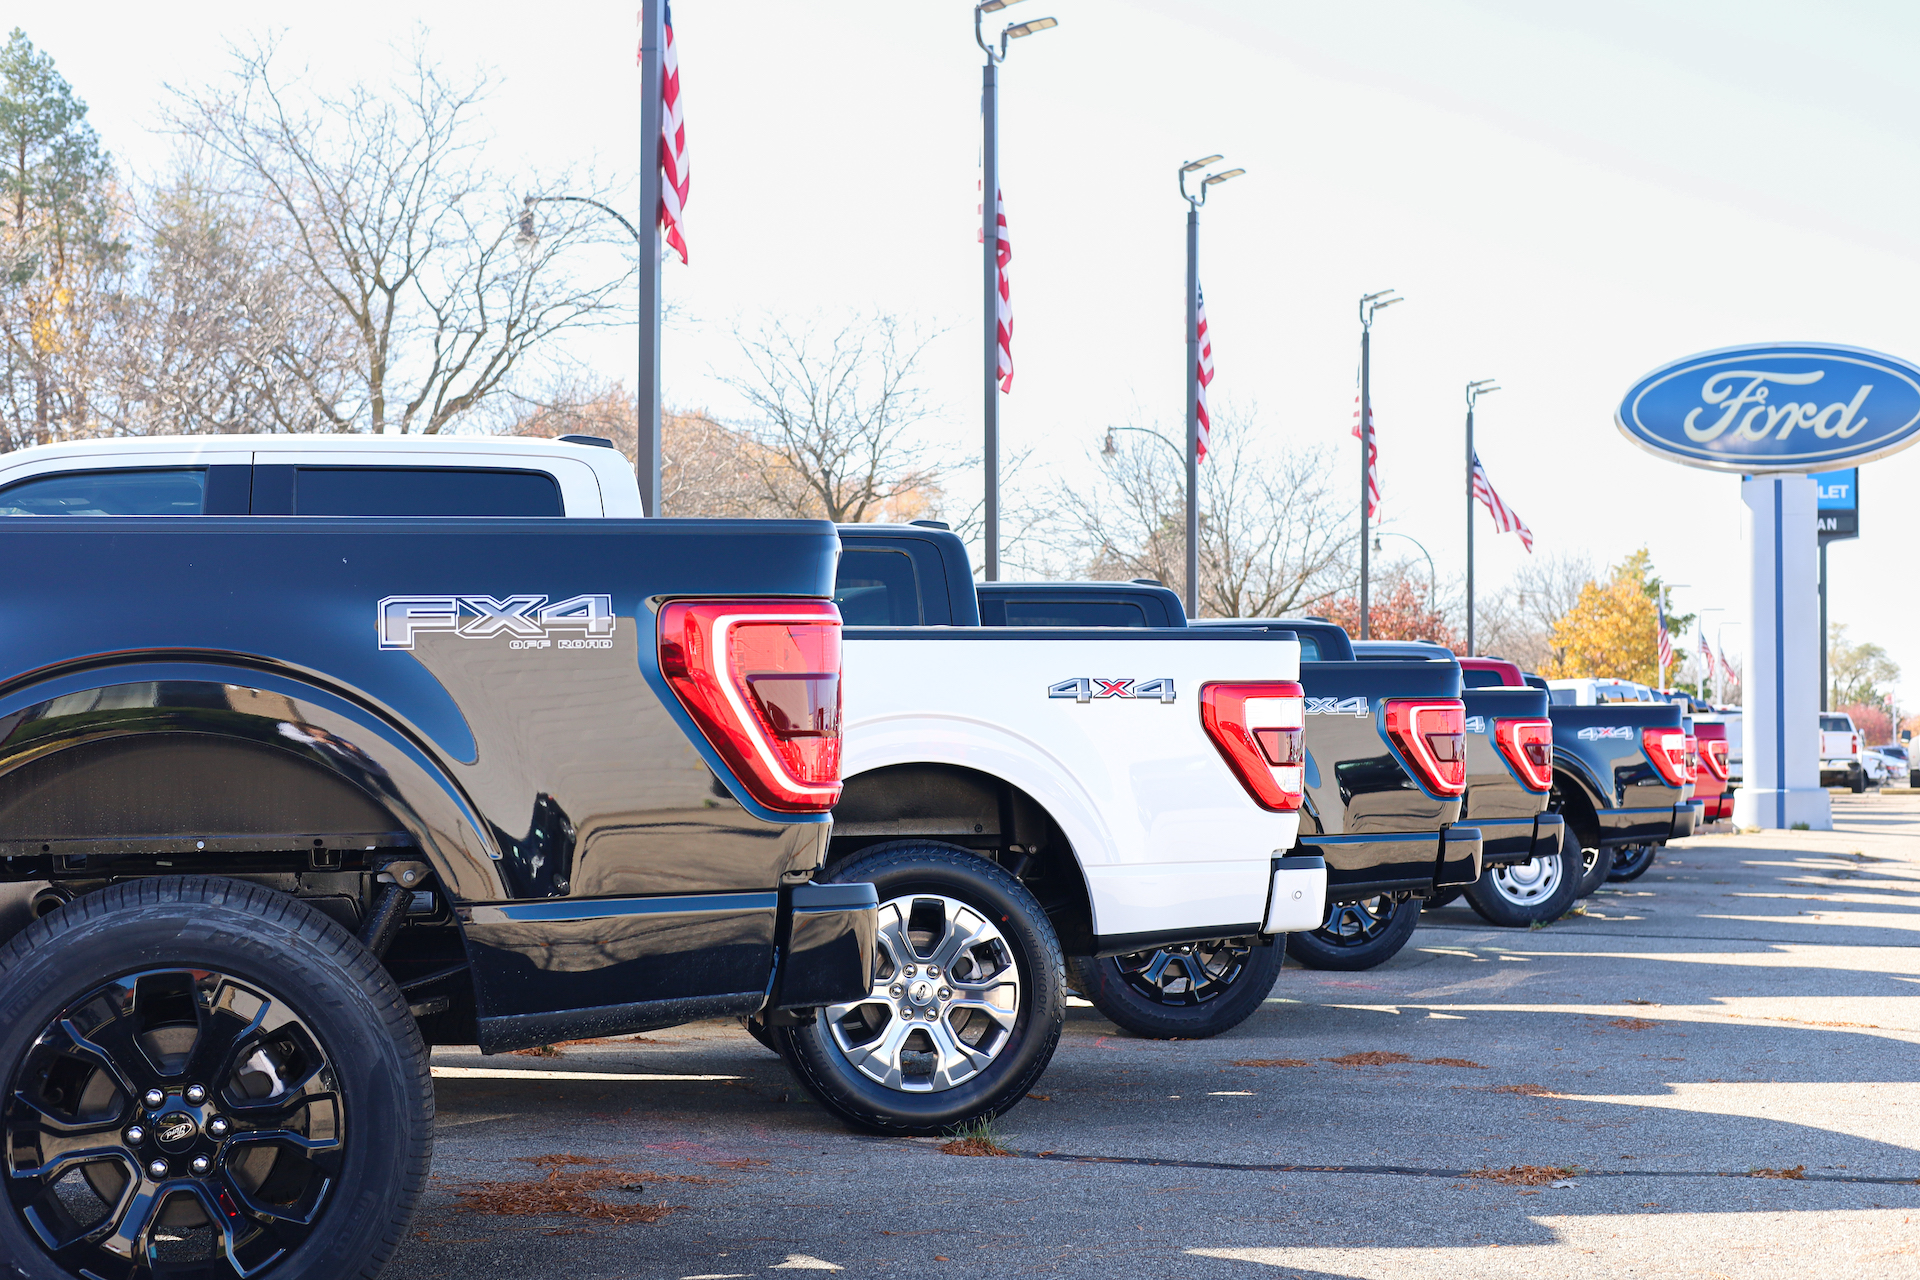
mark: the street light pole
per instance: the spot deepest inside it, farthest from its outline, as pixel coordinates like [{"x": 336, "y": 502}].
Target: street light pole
[
  {"x": 990, "y": 262},
  {"x": 647, "y": 382},
  {"x": 1369, "y": 304},
  {"x": 1474, "y": 391},
  {"x": 1194, "y": 200},
  {"x": 1433, "y": 574}
]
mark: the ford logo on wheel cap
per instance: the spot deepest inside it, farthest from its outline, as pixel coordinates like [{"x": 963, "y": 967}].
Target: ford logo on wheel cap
[
  {"x": 1806, "y": 406},
  {"x": 176, "y": 1128}
]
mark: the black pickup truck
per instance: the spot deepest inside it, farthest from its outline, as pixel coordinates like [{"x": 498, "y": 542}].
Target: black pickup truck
[
  {"x": 282, "y": 804},
  {"x": 1384, "y": 815},
  {"x": 1531, "y": 869}
]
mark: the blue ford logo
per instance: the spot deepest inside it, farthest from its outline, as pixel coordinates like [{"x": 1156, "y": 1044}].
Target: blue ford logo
[{"x": 1775, "y": 407}]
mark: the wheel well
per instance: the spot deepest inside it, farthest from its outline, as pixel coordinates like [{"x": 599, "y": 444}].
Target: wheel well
[
  {"x": 976, "y": 811},
  {"x": 1571, "y": 802}
]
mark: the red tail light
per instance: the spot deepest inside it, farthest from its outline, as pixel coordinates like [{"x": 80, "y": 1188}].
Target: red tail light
[
  {"x": 1259, "y": 729},
  {"x": 1667, "y": 748},
  {"x": 1856, "y": 745},
  {"x": 1432, "y": 736},
  {"x": 762, "y": 680},
  {"x": 1693, "y": 758},
  {"x": 1714, "y": 752},
  {"x": 1528, "y": 747}
]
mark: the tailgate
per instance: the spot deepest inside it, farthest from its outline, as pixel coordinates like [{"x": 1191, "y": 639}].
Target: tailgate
[
  {"x": 1497, "y": 801},
  {"x": 1364, "y": 814},
  {"x": 1599, "y": 749}
]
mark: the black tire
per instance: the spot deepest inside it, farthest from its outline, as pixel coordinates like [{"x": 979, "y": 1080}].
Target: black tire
[
  {"x": 1630, "y": 862},
  {"x": 283, "y": 1020},
  {"x": 929, "y": 877},
  {"x": 1357, "y": 935},
  {"x": 1595, "y": 865},
  {"x": 1443, "y": 898},
  {"x": 1537, "y": 891},
  {"x": 1219, "y": 985},
  {"x": 1856, "y": 780},
  {"x": 758, "y": 1030}
]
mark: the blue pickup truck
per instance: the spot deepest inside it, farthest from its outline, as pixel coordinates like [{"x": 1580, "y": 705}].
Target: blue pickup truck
[{"x": 285, "y": 801}]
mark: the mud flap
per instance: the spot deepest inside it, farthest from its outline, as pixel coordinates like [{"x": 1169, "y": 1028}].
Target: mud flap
[{"x": 1459, "y": 858}]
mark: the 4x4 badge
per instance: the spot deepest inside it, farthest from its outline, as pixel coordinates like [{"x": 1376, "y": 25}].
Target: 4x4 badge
[
  {"x": 1338, "y": 707},
  {"x": 1088, "y": 689}
]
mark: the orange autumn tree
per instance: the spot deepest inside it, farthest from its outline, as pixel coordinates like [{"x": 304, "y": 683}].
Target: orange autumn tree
[{"x": 1611, "y": 631}]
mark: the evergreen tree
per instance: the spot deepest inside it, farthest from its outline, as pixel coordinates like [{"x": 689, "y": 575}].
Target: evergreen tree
[{"x": 58, "y": 248}]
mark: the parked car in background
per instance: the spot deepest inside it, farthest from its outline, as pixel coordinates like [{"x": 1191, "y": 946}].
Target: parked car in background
[
  {"x": 1899, "y": 770},
  {"x": 1840, "y": 762},
  {"x": 1598, "y": 692}
]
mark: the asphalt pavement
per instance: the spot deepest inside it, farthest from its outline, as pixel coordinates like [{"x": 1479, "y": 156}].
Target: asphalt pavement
[{"x": 1712, "y": 1073}]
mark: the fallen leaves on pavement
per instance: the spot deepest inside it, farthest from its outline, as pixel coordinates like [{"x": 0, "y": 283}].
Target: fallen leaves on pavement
[
  {"x": 1451, "y": 1062},
  {"x": 1373, "y": 1058},
  {"x": 1524, "y": 1175},
  {"x": 1530, "y": 1090},
  {"x": 1633, "y": 1024},
  {"x": 567, "y": 1190},
  {"x": 1796, "y": 1174}
]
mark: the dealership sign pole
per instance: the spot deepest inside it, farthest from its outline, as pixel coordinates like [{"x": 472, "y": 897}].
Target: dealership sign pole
[{"x": 1775, "y": 413}]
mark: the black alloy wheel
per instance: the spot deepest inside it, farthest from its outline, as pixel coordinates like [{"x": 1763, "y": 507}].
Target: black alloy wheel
[
  {"x": 1630, "y": 861},
  {"x": 1190, "y": 992},
  {"x": 205, "y": 1079},
  {"x": 1358, "y": 935},
  {"x": 1595, "y": 864},
  {"x": 967, "y": 1001}
]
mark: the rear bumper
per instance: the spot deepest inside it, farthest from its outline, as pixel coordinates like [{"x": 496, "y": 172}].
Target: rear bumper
[
  {"x": 1506, "y": 841},
  {"x": 828, "y": 954},
  {"x": 1639, "y": 826},
  {"x": 1360, "y": 867},
  {"x": 1685, "y": 818},
  {"x": 1298, "y": 902}
]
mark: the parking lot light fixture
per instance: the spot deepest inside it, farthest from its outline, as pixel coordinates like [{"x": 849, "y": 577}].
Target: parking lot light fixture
[
  {"x": 1475, "y": 390},
  {"x": 1371, "y": 304},
  {"x": 1194, "y": 200}
]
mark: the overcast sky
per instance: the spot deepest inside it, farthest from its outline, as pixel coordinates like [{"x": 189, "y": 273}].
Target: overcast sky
[{"x": 1567, "y": 196}]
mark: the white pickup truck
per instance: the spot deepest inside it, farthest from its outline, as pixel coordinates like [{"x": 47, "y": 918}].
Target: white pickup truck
[
  {"x": 1840, "y": 762},
  {"x": 1010, "y": 791}
]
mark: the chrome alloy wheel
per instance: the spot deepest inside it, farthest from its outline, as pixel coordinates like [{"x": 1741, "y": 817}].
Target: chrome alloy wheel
[
  {"x": 1191, "y": 974},
  {"x": 1529, "y": 882},
  {"x": 176, "y": 1121},
  {"x": 946, "y": 993}
]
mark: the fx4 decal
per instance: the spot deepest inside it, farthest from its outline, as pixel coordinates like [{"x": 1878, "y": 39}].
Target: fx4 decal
[
  {"x": 526, "y": 621},
  {"x": 1597, "y": 732},
  {"x": 1091, "y": 689},
  {"x": 1338, "y": 707}
]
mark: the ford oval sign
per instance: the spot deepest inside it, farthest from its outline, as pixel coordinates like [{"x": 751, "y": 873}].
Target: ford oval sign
[{"x": 1805, "y": 406}]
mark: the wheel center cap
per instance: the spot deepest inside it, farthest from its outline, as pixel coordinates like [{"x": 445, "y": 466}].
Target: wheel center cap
[
  {"x": 921, "y": 992},
  {"x": 176, "y": 1130}
]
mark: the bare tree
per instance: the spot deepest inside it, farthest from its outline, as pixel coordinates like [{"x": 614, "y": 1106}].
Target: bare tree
[
  {"x": 1273, "y": 538},
  {"x": 706, "y": 469},
  {"x": 215, "y": 331},
  {"x": 1517, "y": 621},
  {"x": 838, "y": 415},
  {"x": 398, "y": 231}
]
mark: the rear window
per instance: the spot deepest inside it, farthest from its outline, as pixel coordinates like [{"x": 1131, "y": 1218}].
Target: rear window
[
  {"x": 1482, "y": 679},
  {"x": 878, "y": 588},
  {"x": 1030, "y": 611},
  {"x": 422, "y": 491},
  {"x": 1564, "y": 697},
  {"x": 172, "y": 491},
  {"x": 1835, "y": 724}
]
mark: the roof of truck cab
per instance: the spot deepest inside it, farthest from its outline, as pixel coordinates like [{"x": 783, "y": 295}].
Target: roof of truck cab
[{"x": 619, "y": 490}]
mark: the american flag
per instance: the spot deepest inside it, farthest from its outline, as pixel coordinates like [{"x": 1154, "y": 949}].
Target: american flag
[
  {"x": 1706, "y": 654},
  {"x": 1205, "y": 374},
  {"x": 1726, "y": 668},
  {"x": 1373, "y": 453},
  {"x": 1666, "y": 641},
  {"x": 1505, "y": 518},
  {"x": 1003, "y": 366},
  {"x": 675, "y": 177}
]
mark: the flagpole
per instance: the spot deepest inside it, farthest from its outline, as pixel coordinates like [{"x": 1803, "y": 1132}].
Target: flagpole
[
  {"x": 1474, "y": 391},
  {"x": 1193, "y": 407},
  {"x": 1370, "y": 304},
  {"x": 647, "y": 383},
  {"x": 990, "y": 306}
]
